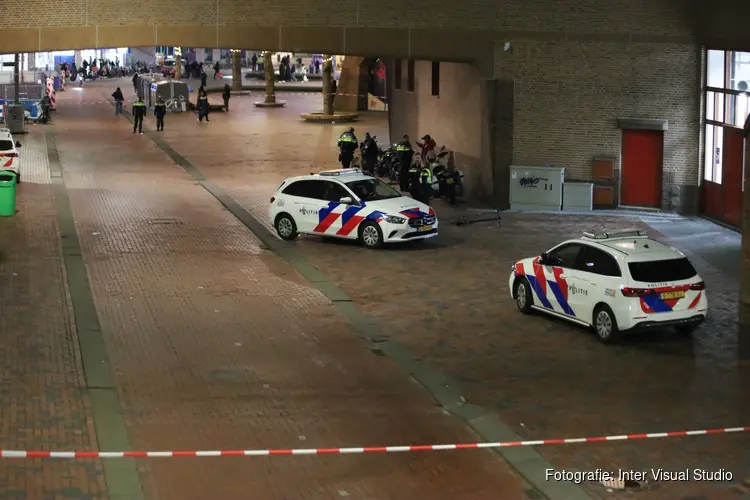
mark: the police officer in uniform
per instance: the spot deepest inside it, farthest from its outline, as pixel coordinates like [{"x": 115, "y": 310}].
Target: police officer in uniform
[
  {"x": 348, "y": 144},
  {"x": 160, "y": 111},
  {"x": 425, "y": 184},
  {"x": 139, "y": 111},
  {"x": 404, "y": 154},
  {"x": 413, "y": 181},
  {"x": 450, "y": 178}
]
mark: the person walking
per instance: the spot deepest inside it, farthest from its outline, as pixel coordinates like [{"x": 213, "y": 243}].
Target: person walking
[
  {"x": 202, "y": 105},
  {"x": 404, "y": 154},
  {"x": 139, "y": 111},
  {"x": 160, "y": 111},
  {"x": 226, "y": 94},
  {"x": 217, "y": 69},
  {"x": 119, "y": 100},
  {"x": 135, "y": 83},
  {"x": 204, "y": 77}
]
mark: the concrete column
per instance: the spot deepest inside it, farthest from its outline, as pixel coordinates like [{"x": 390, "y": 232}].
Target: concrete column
[
  {"x": 216, "y": 55},
  {"x": 270, "y": 78},
  {"x": 328, "y": 98},
  {"x": 78, "y": 58},
  {"x": 200, "y": 55},
  {"x": 236, "y": 71},
  {"x": 348, "y": 88}
]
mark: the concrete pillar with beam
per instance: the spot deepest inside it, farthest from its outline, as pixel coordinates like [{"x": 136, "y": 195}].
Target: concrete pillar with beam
[
  {"x": 236, "y": 70},
  {"x": 744, "y": 302}
]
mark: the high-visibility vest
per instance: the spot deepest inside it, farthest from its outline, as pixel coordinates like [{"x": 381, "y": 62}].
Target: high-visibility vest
[
  {"x": 347, "y": 137},
  {"x": 401, "y": 148}
]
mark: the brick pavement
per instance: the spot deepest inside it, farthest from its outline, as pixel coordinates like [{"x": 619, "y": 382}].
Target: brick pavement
[
  {"x": 545, "y": 378},
  {"x": 42, "y": 400},
  {"x": 216, "y": 343}
]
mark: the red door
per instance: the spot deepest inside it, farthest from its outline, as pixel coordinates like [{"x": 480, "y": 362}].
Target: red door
[
  {"x": 642, "y": 155},
  {"x": 731, "y": 175}
]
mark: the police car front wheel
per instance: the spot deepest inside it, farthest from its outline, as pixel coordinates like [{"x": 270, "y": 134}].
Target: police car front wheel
[
  {"x": 285, "y": 227},
  {"x": 370, "y": 235},
  {"x": 522, "y": 293},
  {"x": 605, "y": 325}
]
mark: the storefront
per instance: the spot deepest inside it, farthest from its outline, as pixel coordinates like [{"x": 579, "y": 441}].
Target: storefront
[{"x": 727, "y": 97}]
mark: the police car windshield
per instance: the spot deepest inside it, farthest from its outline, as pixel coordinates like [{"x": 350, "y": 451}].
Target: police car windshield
[{"x": 372, "y": 190}]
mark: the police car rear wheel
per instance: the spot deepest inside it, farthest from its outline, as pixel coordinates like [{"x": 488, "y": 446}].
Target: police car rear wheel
[
  {"x": 370, "y": 235},
  {"x": 285, "y": 227},
  {"x": 605, "y": 325},
  {"x": 522, "y": 293}
]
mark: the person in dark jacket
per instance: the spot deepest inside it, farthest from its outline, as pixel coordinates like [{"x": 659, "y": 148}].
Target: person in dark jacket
[
  {"x": 135, "y": 83},
  {"x": 226, "y": 94},
  {"x": 119, "y": 100},
  {"x": 202, "y": 105},
  {"x": 139, "y": 111},
  {"x": 347, "y": 146},
  {"x": 46, "y": 106},
  {"x": 369, "y": 149},
  {"x": 254, "y": 62},
  {"x": 160, "y": 111},
  {"x": 404, "y": 154},
  {"x": 204, "y": 77},
  {"x": 217, "y": 69}
]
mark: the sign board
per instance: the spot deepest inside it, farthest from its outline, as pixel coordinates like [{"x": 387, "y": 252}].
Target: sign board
[
  {"x": 375, "y": 103},
  {"x": 536, "y": 188}
]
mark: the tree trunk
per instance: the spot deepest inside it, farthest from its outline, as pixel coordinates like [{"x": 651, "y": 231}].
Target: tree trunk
[
  {"x": 178, "y": 67},
  {"x": 270, "y": 78},
  {"x": 328, "y": 84},
  {"x": 236, "y": 71}
]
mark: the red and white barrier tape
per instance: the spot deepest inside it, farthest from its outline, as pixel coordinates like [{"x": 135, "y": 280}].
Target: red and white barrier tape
[{"x": 348, "y": 451}]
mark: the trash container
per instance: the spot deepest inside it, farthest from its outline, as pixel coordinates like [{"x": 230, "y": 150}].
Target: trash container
[{"x": 7, "y": 194}]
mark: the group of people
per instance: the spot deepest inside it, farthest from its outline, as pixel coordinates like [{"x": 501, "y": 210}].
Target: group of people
[
  {"x": 414, "y": 177},
  {"x": 139, "y": 110}
]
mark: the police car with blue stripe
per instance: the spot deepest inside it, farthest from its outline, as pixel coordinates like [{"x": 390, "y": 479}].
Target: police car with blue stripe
[
  {"x": 349, "y": 204},
  {"x": 614, "y": 282}
]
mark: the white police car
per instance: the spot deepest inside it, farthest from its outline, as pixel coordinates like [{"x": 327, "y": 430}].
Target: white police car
[
  {"x": 349, "y": 204},
  {"x": 10, "y": 160},
  {"x": 613, "y": 282}
]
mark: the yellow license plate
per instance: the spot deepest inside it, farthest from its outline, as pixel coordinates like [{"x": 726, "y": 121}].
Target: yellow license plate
[
  {"x": 672, "y": 295},
  {"x": 450, "y": 181},
  {"x": 424, "y": 229}
]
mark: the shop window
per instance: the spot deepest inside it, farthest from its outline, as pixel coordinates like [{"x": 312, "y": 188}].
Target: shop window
[
  {"x": 739, "y": 71},
  {"x": 435, "y": 78},
  {"x": 716, "y": 71},
  {"x": 397, "y": 76},
  {"x": 410, "y": 84}
]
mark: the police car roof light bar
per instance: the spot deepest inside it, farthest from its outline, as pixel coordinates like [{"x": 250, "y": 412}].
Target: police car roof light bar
[
  {"x": 343, "y": 171},
  {"x": 633, "y": 233}
]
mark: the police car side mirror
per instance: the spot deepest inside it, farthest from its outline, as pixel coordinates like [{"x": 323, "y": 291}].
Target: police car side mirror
[
  {"x": 544, "y": 258},
  {"x": 346, "y": 200},
  {"x": 18, "y": 144}
]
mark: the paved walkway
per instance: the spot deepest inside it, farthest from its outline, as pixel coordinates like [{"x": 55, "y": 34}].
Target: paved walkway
[
  {"x": 215, "y": 342},
  {"x": 544, "y": 378},
  {"x": 43, "y": 403}
]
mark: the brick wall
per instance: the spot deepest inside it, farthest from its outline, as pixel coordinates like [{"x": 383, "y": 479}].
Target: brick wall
[
  {"x": 569, "y": 96},
  {"x": 454, "y": 118}
]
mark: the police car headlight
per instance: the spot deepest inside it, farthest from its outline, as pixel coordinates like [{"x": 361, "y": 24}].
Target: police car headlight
[{"x": 391, "y": 219}]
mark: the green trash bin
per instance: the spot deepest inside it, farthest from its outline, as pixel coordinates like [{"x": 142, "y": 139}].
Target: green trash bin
[{"x": 7, "y": 194}]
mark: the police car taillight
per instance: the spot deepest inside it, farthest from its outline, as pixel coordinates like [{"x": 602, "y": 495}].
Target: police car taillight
[
  {"x": 9, "y": 155},
  {"x": 698, "y": 286},
  {"x": 273, "y": 198}
]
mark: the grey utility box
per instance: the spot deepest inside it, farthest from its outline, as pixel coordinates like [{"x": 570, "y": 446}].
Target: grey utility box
[
  {"x": 144, "y": 91},
  {"x": 15, "y": 115},
  {"x": 170, "y": 89},
  {"x": 578, "y": 196},
  {"x": 536, "y": 188}
]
